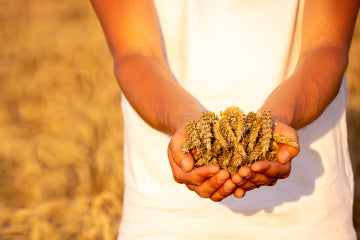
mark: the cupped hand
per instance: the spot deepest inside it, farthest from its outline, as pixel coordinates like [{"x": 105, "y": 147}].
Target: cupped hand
[
  {"x": 207, "y": 181},
  {"x": 266, "y": 173}
]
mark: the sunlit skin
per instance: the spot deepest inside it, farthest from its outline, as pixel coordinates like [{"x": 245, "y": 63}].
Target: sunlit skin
[{"x": 133, "y": 35}]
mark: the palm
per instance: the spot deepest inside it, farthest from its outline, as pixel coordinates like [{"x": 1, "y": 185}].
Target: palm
[{"x": 263, "y": 173}]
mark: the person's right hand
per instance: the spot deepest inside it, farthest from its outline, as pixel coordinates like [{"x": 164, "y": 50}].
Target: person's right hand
[
  {"x": 266, "y": 173},
  {"x": 207, "y": 181}
]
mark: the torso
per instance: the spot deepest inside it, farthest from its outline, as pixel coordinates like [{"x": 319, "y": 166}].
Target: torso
[{"x": 234, "y": 52}]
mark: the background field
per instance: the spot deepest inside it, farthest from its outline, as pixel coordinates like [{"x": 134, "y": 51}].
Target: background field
[{"x": 61, "y": 126}]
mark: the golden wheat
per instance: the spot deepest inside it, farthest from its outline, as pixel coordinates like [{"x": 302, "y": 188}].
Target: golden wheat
[{"x": 233, "y": 140}]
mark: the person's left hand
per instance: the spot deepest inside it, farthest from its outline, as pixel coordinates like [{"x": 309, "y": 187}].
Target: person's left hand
[
  {"x": 207, "y": 181},
  {"x": 266, "y": 173}
]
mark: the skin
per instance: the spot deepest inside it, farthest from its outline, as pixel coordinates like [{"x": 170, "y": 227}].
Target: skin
[{"x": 133, "y": 35}]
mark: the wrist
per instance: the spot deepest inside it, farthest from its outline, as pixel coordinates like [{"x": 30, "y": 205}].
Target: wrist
[
  {"x": 181, "y": 119},
  {"x": 279, "y": 114}
]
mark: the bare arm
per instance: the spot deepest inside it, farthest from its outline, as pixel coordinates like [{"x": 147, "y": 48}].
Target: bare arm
[
  {"x": 133, "y": 35},
  {"x": 326, "y": 36}
]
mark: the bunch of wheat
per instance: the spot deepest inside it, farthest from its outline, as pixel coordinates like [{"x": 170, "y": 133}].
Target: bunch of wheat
[{"x": 234, "y": 139}]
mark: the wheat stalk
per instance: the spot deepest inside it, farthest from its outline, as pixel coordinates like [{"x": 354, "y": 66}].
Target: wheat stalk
[{"x": 234, "y": 139}]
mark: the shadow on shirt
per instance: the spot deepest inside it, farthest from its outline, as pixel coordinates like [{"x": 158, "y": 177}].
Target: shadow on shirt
[{"x": 325, "y": 136}]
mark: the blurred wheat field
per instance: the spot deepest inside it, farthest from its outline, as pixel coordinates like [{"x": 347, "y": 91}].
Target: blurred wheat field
[
  {"x": 353, "y": 119},
  {"x": 61, "y": 125}
]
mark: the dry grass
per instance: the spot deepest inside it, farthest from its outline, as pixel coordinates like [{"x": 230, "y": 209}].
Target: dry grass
[{"x": 60, "y": 123}]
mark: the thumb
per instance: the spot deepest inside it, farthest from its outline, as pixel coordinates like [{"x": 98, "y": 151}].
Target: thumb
[
  {"x": 286, "y": 153},
  {"x": 183, "y": 160}
]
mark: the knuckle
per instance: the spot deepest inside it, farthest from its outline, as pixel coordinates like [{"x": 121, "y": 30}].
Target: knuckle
[
  {"x": 225, "y": 192},
  {"x": 196, "y": 181},
  {"x": 177, "y": 179},
  {"x": 177, "y": 156},
  {"x": 177, "y": 176},
  {"x": 285, "y": 176},
  {"x": 265, "y": 181},
  {"x": 216, "y": 197},
  {"x": 203, "y": 194},
  {"x": 249, "y": 186},
  {"x": 190, "y": 187},
  {"x": 275, "y": 171},
  {"x": 260, "y": 180}
]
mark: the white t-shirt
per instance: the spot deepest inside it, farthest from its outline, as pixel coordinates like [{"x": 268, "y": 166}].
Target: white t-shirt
[{"x": 226, "y": 53}]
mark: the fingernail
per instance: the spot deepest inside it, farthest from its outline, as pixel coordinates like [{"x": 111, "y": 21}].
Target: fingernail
[
  {"x": 221, "y": 179},
  {"x": 286, "y": 157},
  {"x": 184, "y": 165},
  {"x": 236, "y": 178},
  {"x": 256, "y": 168},
  {"x": 245, "y": 172}
]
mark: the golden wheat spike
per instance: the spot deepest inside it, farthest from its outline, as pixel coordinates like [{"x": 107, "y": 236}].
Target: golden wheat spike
[
  {"x": 205, "y": 133},
  {"x": 253, "y": 134},
  {"x": 218, "y": 135},
  {"x": 225, "y": 126},
  {"x": 233, "y": 140},
  {"x": 284, "y": 140},
  {"x": 187, "y": 147},
  {"x": 265, "y": 132}
]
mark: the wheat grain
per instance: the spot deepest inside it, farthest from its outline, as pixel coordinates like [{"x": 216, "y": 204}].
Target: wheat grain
[{"x": 234, "y": 139}]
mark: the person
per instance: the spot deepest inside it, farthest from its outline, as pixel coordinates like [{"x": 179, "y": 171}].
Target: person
[{"x": 174, "y": 59}]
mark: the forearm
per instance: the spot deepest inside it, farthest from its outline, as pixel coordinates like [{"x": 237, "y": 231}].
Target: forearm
[
  {"x": 134, "y": 38},
  {"x": 315, "y": 82},
  {"x": 153, "y": 92}
]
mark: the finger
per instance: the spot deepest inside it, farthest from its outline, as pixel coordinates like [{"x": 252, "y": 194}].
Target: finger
[
  {"x": 283, "y": 156},
  {"x": 239, "y": 193},
  {"x": 286, "y": 153},
  {"x": 211, "y": 185},
  {"x": 259, "y": 179},
  {"x": 289, "y": 132},
  {"x": 176, "y": 170},
  {"x": 245, "y": 172},
  {"x": 225, "y": 190},
  {"x": 249, "y": 186},
  {"x": 272, "y": 169},
  {"x": 196, "y": 176},
  {"x": 178, "y": 173},
  {"x": 238, "y": 180},
  {"x": 183, "y": 160}
]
